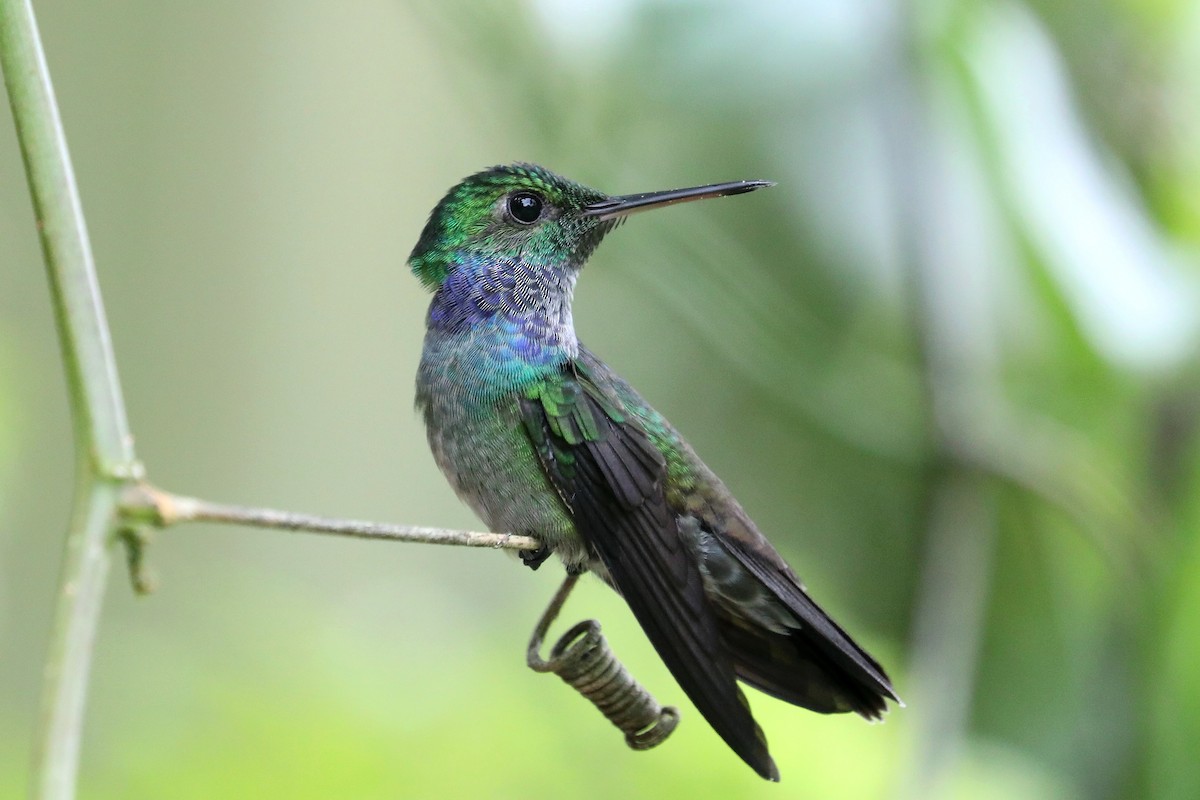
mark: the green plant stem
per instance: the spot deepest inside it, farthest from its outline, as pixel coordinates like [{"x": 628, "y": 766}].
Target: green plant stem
[
  {"x": 104, "y": 448},
  {"x": 68, "y": 662},
  {"x": 98, "y": 410}
]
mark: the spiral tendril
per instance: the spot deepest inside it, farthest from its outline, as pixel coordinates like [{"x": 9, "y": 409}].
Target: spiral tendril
[{"x": 582, "y": 658}]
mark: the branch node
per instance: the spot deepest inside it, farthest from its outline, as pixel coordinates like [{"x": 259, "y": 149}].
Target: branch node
[
  {"x": 132, "y": 470},
  {"x": 145, "y": 504}
]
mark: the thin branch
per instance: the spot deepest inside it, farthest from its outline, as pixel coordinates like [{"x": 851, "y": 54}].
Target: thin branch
[
  {"x": 147, "y": 505},
  {"x": 104, "y": 448}
]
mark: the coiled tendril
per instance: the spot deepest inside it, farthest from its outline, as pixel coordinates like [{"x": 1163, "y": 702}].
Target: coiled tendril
[{"x": 582, "y": 658}]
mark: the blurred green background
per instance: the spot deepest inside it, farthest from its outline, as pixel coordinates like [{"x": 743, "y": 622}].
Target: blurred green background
[{"x": 949, "y": 364}]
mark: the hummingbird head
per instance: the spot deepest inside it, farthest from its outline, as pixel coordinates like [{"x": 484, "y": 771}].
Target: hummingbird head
[
  {"x": 526, "y": 213},
  {"x": 513, "y": 212}
]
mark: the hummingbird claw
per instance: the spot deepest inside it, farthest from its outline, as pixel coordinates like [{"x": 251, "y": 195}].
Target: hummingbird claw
[{"x": 534, "y": 558}]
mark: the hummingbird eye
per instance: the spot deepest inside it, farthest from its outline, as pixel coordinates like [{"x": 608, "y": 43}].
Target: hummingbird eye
[{"x": 525, "y": 207}]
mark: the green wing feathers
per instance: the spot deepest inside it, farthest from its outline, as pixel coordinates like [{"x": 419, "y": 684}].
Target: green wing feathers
[{"x": 611, "y": 477}]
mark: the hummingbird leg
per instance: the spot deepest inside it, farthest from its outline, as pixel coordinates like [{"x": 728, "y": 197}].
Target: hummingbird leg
[{"x": 534, "y": 558}]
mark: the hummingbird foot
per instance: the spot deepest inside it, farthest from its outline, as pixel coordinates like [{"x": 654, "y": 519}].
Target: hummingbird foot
[{"x": 534, "y": 558}]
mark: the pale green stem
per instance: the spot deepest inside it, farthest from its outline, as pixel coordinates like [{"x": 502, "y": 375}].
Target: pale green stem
[{"x": 103, "y": 445}]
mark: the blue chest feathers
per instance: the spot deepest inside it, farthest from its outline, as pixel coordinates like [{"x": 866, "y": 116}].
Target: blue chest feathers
[{"x": 494, "y": 327}]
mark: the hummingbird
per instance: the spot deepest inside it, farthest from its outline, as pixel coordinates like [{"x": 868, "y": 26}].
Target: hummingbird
[{"x": 540, "y": 437}]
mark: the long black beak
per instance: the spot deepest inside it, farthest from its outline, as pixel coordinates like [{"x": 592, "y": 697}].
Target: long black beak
[{"x": 624, "y": 205}]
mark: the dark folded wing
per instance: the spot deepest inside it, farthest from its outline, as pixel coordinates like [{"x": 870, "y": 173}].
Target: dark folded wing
[
  {"x": 611, "y": 477},
  {"x": 824, "y": 641}
]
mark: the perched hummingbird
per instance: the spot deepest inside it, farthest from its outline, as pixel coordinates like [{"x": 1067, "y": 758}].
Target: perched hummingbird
[{"x": 540, "y": 437}]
